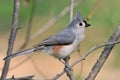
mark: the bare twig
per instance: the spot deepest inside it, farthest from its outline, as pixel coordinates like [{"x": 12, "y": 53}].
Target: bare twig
[
  {"x": 104, "y": 55},
  {"x": 71, "y": 9},
  {"x": 85, "y": 55},
  {"x": 93, "y": 10},
  {"x": 22, "y": 78},
  {"x": 12, "y": 38},
  {"x": 29, "y": 26}
]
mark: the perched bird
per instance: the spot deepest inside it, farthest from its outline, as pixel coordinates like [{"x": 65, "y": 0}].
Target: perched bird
[{"x": 63, "y": 43}]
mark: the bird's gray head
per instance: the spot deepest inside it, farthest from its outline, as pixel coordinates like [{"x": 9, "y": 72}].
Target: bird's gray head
[{"x": 79, "y": 21}]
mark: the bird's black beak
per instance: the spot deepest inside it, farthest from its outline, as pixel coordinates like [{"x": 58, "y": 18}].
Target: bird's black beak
[{"x": 87, "y": 25}]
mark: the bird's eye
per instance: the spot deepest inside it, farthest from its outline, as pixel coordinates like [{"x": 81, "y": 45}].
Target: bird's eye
[{"x": 80, "y": 24}]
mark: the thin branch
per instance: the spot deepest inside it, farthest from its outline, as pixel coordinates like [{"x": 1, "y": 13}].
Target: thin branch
[
  {"x": 104, "y": 55},
  {"x": 71, "y": 9},
  {"x": 29, "y": 26},
  {"x": 85, "y": 55},
  {"x": 93, "y": 10},
  {"x": 12, "y": 38},
  {"x": 22, "y": 78}
]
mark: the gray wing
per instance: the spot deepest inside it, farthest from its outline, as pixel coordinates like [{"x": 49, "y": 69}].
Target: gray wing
[{"x": 63, "y": 38}]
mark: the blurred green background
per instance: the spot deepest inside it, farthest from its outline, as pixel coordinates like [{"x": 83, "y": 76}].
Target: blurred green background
[
  {"x": 104, "y": 21},
  {"x": 106, "y": 15}
]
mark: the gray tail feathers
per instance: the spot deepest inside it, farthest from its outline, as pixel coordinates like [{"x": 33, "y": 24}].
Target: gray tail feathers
[{"x": 20, "y": 53}]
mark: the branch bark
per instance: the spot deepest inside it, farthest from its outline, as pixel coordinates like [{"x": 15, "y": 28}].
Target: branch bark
[
  {"x": 22, "y": 78},
  {"x": 12, "y": 38},
  {"x": 71, "y": 9},
  {"x": 68, "y": 69},
  {"x": 93, "y": 10},
  {"x": 104, "y": 55}
]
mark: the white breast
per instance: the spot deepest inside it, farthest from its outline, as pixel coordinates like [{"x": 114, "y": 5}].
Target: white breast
[{"x": 67, "y": 50}]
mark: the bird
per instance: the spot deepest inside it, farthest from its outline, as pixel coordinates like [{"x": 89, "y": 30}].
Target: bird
[{"x": 62, "y": 44}]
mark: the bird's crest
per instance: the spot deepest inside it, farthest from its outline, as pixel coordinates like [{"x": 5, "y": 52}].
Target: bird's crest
[{"x": 79, "y": 17}]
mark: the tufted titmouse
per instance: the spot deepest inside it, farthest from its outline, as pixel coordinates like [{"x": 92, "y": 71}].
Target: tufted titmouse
[{"x": 63, "y": 43}]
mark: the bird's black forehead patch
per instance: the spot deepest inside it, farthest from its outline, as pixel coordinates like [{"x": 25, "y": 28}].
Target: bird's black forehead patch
[{"x": 85, "y": 21}]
